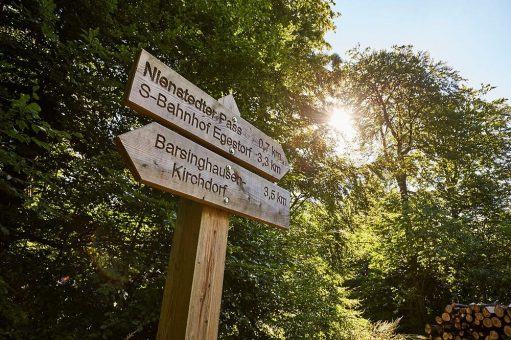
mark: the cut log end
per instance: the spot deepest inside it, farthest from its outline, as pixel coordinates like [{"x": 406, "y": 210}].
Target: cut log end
[
  {"x": 496, "y": 322},
  {"x": 507, "y": 330},
  {"x": 474, "y": 321},
  {"x": 487, "y": 323},
  {"x": 499, "y": 311},
  {"x": 449, "y": 308}
]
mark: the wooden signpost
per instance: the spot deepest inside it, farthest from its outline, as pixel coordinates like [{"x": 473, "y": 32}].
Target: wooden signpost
[
  {"x": 158, "y": 91},
  {"x": 168, "y": 161},
  {"x": 211, "y": 186}
]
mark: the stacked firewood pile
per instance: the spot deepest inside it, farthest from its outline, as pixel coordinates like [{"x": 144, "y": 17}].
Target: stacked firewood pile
[{"x": 474, "y": 321}]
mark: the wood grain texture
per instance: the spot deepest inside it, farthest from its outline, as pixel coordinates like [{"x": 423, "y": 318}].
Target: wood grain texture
[
  {"x": 229, "y": 102},
  {"x": 168, "y": 161},
  {"x": 193, "y": 290},
  {"x": 154, "y": 89}
]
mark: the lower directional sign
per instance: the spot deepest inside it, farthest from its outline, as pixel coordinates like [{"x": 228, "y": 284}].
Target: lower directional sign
[{"x": 163, "y": 159}]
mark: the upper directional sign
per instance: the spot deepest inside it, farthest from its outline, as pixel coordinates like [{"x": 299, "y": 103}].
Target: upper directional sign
[
  {"x": 158, "y": 91},
  {"x": 163, "y": 159}
]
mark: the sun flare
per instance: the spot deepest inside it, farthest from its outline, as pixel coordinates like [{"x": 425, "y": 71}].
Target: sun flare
[{"x": 341, "y": 120}]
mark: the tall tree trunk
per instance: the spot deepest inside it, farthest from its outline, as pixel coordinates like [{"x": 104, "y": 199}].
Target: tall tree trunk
[{"x": 401, "y": 179}]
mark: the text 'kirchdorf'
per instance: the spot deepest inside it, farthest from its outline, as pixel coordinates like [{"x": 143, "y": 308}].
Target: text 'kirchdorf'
[
  {"x": 162, "y": 158},
  {"x": 199, "y": 166}
]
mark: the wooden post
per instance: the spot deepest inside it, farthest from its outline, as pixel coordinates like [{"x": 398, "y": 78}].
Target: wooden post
[
  {"x": 166, "y": 160},
  {"x": 193, "y": 289}
]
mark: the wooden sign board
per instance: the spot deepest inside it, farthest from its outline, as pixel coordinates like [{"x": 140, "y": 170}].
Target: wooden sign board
[
  {"x": 165, "y": 160},
  {"x": 158, "y": 91}
]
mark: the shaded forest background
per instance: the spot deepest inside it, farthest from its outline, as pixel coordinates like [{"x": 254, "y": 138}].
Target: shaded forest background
[{"x": 422, "y": 221}]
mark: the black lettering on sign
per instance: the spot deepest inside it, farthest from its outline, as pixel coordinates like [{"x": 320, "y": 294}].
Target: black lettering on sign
[
  {"x": 200, "y": 163},
  {"x": 176, "y": 110},
  {"x": 166, "y": 160},
  {"x": 159, "y": 92},
  {"x": 182, "y": 174},
  {"x": 273, "y": 195}
]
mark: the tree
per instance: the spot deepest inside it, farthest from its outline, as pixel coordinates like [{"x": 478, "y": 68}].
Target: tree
[
  {"x": 393, "y": 93},
  {"x": 83, "y": 246},
  {"x": 438, "y": 167}
]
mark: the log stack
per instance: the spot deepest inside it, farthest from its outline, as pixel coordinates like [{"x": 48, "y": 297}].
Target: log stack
[{"x": 473, "y": 321}]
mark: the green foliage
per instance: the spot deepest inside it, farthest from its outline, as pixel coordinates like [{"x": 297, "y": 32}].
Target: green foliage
[
  {"x": 298, "y": 296},
  {"x": 84, "y": 248},
  {"x": 437, "y": 222},
  {"x": 386, "y": 330}
]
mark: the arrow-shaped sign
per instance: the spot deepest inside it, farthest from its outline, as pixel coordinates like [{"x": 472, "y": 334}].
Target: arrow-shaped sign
[
  {"x": 163, "y": 159},
  {"x": 158, "y": 91}
]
